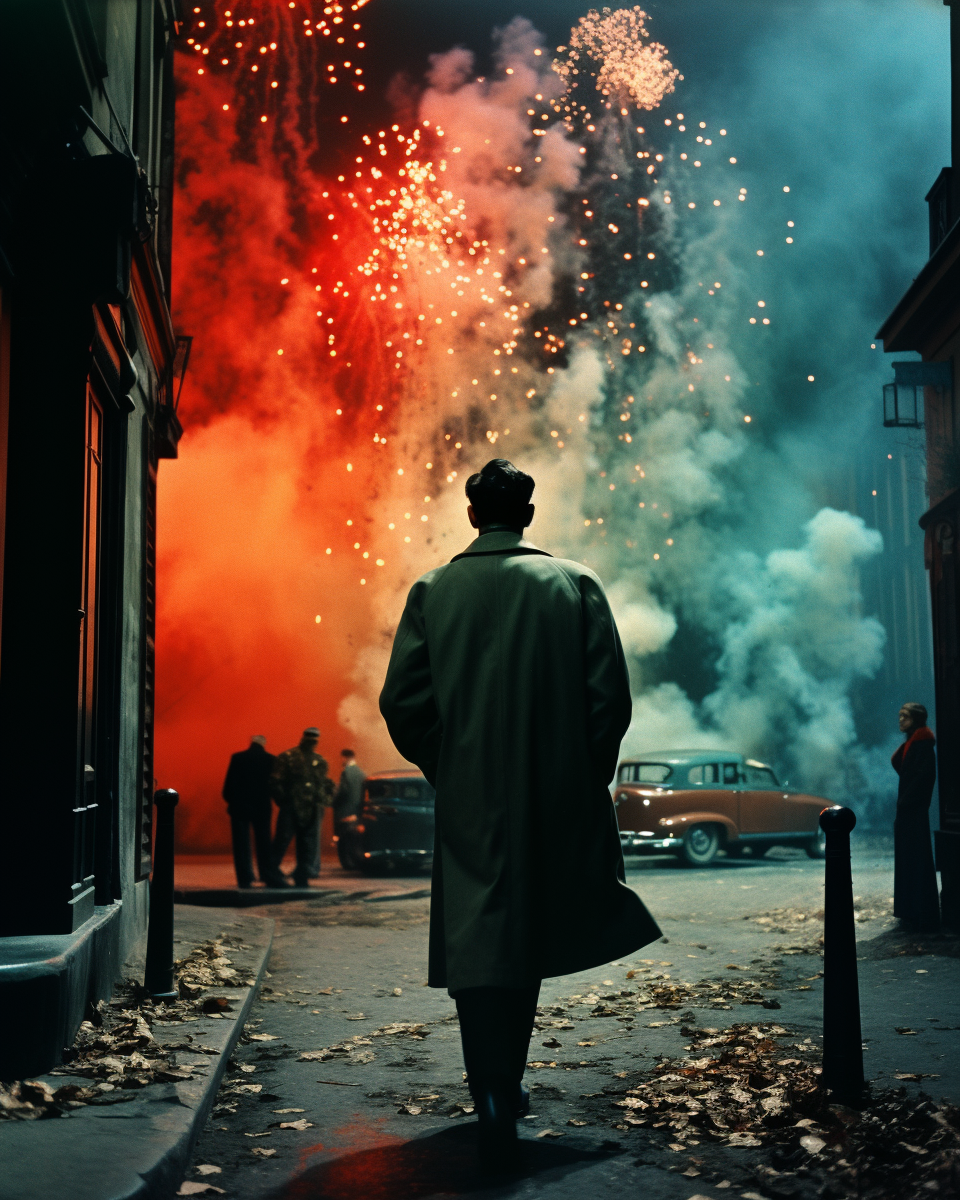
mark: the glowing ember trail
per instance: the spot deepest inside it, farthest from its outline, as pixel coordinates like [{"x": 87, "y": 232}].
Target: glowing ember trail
[{"x": 524, "y": 268}]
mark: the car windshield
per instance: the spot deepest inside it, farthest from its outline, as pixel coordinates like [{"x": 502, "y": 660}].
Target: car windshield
[
  {"x": 647, "y": 772},
  {"x": 411, "y": 791}
]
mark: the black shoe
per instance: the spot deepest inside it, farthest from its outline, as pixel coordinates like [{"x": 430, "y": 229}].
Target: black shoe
[
  {"x": 276, "y": 881},
  {"x": 497, "y": 1145},
  {"x": 523, "y": 1103}
]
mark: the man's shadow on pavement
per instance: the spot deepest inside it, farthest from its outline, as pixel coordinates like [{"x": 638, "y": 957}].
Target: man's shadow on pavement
[{"x": 442, "y": 1164}]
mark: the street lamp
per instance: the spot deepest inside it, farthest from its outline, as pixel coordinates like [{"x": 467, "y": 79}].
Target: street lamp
[{"x": 903, "y": 399}]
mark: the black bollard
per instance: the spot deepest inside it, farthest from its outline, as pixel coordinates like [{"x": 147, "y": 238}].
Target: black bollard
[
  {"x": 158, "y": 973},
  {"x": 842, "y": 1044}
]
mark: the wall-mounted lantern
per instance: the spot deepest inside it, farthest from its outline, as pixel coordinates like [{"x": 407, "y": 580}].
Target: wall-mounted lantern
[{"x": 903, "y": 399}]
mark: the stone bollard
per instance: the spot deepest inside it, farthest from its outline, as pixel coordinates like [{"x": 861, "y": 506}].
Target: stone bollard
[
  {"x": 842, "y": 1044},
  {"x": 158, "y": 973}
]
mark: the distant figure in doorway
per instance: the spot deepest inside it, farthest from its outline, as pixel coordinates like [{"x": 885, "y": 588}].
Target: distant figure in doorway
[
  {"x": 915, "y": 899},
  {"x": 301, "y": 787},
  {"x": 246, "y": 790}
]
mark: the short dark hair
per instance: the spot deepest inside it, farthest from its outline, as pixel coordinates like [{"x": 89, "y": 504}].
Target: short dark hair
[
  {"x": 348, "y": 754},
  {"x": 500, "y": 493},
  {"x": 916, "y": 710}
]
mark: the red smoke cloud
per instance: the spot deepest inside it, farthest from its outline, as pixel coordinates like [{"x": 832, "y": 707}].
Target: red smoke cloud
[{"x": 247, "y": 514}]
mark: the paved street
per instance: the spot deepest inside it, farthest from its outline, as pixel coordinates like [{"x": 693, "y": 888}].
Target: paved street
[{"x": 384, "y": 1105}]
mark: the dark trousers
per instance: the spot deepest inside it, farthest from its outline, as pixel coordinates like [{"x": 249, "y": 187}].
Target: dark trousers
[
  {"x": 241, "y": 824},
  {"x": 307, "y": 845},
  {"x": 495, "y": 1028}
]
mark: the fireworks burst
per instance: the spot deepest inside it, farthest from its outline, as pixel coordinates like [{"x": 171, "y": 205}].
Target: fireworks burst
[
  {"x": 613, "y": 49},
  {"x": 509, "y": 271}
]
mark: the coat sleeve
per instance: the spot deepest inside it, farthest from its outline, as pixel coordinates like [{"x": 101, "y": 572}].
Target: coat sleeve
[
  {"x": 407, "y": 701},
  {"x": 918, "y": 774},
  {"x": 278, "y": 780},
  {"x": 609, "y": 705},
  {"x": 229, "y": 792}
]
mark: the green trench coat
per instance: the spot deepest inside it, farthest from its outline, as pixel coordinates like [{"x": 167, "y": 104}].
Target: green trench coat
[{"x": 508, "y": 688}]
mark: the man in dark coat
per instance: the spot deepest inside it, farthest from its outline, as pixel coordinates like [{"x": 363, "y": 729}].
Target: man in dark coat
[
  {"x": 507, "y": 686},
  {"x": 346, "y": 803},
  {"x": 300, "y": 786},
  {"x": 915, "y": 899},
  {"x": 246, "y": 790}
]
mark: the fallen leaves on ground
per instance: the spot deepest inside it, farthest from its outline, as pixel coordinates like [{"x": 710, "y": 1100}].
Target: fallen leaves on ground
[
  {"x": 116, "y": 1049},
  {"x": 735, "y": 1088}
]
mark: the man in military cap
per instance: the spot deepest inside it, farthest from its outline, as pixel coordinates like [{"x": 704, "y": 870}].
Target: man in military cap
[{"x": 301, "y": 788}]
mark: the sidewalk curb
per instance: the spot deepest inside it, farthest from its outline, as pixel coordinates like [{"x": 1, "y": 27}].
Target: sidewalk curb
[{"x": 138, "y": 1150}]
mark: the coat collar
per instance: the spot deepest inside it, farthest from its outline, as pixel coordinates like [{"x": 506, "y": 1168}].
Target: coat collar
[
  {"x": 921, "y": 734},
  {"x": 500, "y": 541}
]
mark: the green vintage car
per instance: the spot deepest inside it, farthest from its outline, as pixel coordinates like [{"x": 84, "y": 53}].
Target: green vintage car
[{"x": 695, "y": 803}]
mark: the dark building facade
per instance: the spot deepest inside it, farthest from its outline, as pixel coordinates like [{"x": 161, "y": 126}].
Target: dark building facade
[
  {"x": 927, "y": 321},
  {"x": 89, "y": 369}
]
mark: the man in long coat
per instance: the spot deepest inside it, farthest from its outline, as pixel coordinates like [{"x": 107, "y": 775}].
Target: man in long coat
[
  {"x": 915, "y": 899},
  {"x": 507, "y": 686},
  {"x": 246, "y": 790}
]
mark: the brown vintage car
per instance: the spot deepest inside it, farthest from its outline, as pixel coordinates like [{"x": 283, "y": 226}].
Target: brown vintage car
[{"x": 694, "y": 803}]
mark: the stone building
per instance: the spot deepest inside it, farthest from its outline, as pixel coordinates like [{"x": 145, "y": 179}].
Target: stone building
[
  {"x": 926, "y": 320},
  {"x": 89, "y": 373}
]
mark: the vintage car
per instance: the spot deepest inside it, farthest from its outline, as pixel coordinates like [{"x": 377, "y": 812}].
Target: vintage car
[
  {"x": 694, "y": 803},
  {"x": 394, "y": 827}
]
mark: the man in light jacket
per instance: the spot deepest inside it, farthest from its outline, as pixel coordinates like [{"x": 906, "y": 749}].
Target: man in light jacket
[{"x": 507, "y": 686}]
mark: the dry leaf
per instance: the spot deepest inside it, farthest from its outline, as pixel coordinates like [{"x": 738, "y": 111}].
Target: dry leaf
[
  {"x": 262, "y": 1037},
  {"x": 398, "y": 991},
  {"x": 208, "y": 1169},
  {"x": 284, "y": 1111},
  {"x": 813, "y": 1145},
  {"x": 550, "y": 1133},
  {"x": 262, "y": 1151},
  {"x": 190, "y": 1187},
  {"x": 301, "y": 1124}
]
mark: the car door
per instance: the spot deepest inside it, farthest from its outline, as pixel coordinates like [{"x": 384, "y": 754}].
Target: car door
[
  {"x": 715, "y": 797},
  {"x": 761, "y": 804}
]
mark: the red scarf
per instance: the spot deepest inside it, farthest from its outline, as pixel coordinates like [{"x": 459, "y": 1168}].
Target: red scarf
[{"x": 920, "y": 734}]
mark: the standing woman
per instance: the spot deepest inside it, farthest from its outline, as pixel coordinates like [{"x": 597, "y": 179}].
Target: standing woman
[{"x": 915, "y": 899}]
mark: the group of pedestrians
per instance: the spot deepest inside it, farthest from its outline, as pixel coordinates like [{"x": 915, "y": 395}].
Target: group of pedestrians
[{"x": 298, "y": 782}]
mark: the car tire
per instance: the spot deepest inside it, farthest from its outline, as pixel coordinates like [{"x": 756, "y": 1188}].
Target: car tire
[
  {"x": 817, "y": 846},
  {"x": 700, "y": 845}
]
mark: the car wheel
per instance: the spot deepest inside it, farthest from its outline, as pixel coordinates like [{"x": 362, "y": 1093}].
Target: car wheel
[
  {"x": 817, "y": 846},
  {"x": 700, "y": 845}
]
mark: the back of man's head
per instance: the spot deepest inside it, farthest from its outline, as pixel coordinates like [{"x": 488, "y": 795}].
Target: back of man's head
[{"x": 500, "y": 494}]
